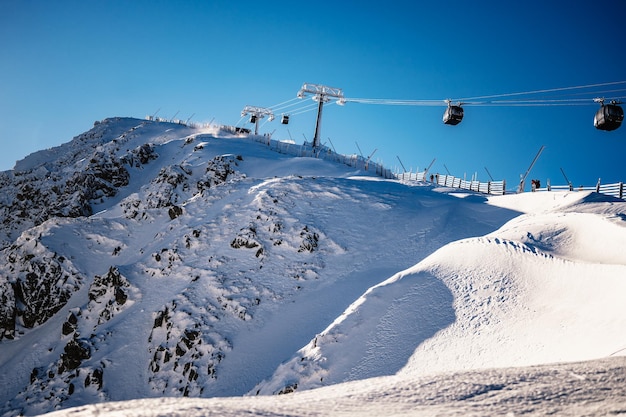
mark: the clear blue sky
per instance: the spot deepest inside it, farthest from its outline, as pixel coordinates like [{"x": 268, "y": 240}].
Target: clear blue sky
[{"x": 65, "y": 64}]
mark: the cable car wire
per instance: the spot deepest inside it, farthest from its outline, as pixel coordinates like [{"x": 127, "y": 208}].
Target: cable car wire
[
  {"x": 550, "y": 90},
  {"x": 477, "y": 100},
  {"x": 596, "y": 93},
  {"x": 396, "y": 102},
  {"x": 284, "y": 104},
  {"x": 306, "y": 109},
  {"x": 278, "y": 106}
]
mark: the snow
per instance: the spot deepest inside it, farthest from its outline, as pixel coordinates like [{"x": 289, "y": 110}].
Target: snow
[
  {"x": 410, "y": 299},
  {"x": 577, "y": 389}
]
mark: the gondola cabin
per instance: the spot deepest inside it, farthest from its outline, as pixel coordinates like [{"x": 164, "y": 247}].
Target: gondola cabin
[
  {"x": 608, "y": 117},
  {"x": 285, "y": 119},
  {"x": 453, "y": 115}
]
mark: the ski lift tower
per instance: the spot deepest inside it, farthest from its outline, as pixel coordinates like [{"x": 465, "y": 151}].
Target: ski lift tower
[
  {"x": 256, "y": 114},
  {"x": 321, "y": 94}
]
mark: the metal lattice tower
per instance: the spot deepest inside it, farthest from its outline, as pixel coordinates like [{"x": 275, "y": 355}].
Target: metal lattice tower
[
  {"x": 256, "y": 114},
  {"x": 321, "y": 94}
]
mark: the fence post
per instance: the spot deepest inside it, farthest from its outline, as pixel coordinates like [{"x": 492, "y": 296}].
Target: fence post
[
  {"x": 598, "y": 186},
  {"x": 503, "y": 187},
  {"x": 621, "y": 190}
]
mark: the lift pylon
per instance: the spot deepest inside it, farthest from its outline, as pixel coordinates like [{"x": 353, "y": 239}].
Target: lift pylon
[
  {"x": 321, "y": 94},
  {"x": 256, "y": 114}
]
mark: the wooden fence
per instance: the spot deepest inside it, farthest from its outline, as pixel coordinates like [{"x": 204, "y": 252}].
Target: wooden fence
[
  {"x": 411, "y": 176},
  {"x": 491, "y": 187},
  {"x": 617, "y": 189}
]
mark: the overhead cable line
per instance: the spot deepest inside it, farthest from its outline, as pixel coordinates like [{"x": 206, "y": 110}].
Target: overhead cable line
[
  {"x": 540, "y": 102},
  {"x": 550, "y": 90},
  {"x": 283, "y": 103},
  {"x": 277, "y": 109},
  {"x": 608, "y": 117},
  {"x": 478, "y": 100},
  {"x": 293, "y": 102},
  {"x": 588, "y": 93},
  {"x": 305, "y": 109},
  {"x": 395, "y": 102}
]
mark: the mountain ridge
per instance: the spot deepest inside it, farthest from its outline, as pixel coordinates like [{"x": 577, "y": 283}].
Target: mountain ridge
[{"x": 180, "y": 262}]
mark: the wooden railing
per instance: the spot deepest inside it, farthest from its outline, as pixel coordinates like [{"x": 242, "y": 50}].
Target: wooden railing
[
  {"x": 491, "y": 187},
  {"x": 617, "y": 189}
]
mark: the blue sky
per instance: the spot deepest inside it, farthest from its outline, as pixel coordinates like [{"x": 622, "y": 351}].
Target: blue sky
[{"x": 65, "y": 64}]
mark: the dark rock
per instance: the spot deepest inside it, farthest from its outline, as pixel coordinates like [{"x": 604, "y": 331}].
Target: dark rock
[
  {"x": 174, "y": 212},
  {"x": 75, "y": 352}
]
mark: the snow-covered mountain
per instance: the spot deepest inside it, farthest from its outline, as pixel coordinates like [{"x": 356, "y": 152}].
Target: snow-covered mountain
[{"x": 154, "y": 260}]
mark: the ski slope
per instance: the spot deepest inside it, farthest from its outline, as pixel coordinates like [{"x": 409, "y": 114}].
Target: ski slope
[{"x": 286, "y": 273}]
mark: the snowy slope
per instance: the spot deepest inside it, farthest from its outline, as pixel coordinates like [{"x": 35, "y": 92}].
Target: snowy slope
[
  {"x": 594, "y": 388},
  {"x": 545, "y": 287},
  {"x": 207, "y": 265}
]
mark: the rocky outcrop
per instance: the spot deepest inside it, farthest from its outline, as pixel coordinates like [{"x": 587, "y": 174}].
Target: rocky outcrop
[
  {"x": 41, "y": 190},
  {"x": 75, "y": 370},
  {"x": 185, "y": 349},
  {"x": 37, "y": 284}
]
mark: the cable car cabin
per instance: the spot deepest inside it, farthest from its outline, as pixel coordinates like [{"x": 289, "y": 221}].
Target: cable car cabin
[
  {"x": 453, "y": 115},
  {"x": 253, "y": 118},
  {"x": 608, "y": 117},
  {"x": 285, "y": 119}
]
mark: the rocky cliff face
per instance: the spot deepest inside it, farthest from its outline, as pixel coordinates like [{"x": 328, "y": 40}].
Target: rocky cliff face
[
  {"x": 68, "y": 370},
  {"x": 38, "y": 282},
  {"x": 135, "y": 222},
  {"x": 65, "y": 181}
]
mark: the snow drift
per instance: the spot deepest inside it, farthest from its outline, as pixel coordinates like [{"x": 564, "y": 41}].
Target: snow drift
[{"x": 543, "y": 288}]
